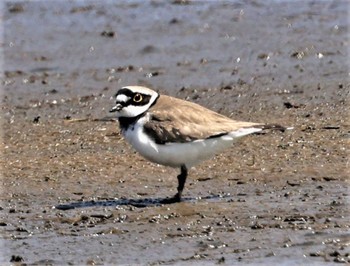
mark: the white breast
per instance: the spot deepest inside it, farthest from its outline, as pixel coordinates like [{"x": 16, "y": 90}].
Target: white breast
[{"x": 177, "y": 154}]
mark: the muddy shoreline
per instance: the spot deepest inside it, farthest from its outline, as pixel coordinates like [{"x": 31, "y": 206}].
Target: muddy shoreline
[{"x": 73, "y": 192}]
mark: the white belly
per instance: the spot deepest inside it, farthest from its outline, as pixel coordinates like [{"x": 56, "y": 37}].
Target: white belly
[{"x": 177, "y": 154}]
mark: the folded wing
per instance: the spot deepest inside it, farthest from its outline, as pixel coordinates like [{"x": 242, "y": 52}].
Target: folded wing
[{"x": 178, "y": 121}]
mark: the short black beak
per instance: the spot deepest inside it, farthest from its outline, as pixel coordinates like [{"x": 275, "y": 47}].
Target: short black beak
[{"x": 116, "y": 108}]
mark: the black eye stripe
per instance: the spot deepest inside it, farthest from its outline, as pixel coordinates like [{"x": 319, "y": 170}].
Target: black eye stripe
[
  {"x": 122, "y": 103},
  {"x": 128, "y": 93}
]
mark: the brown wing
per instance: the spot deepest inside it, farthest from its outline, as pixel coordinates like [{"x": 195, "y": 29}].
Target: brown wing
[{"x": 175, "y": 120}]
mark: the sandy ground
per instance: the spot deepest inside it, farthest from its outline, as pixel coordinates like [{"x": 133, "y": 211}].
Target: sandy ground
[{"x": 73, "y": 192}]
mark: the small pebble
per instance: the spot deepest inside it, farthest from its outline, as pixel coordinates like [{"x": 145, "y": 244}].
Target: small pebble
[
  {"x": 335, "y": 253},
  {"x": 339, "y": 260},
  {"x": 16, "y": 258}
]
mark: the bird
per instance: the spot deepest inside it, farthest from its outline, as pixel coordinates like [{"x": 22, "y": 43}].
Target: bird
[{"x": 177, "y": 133}]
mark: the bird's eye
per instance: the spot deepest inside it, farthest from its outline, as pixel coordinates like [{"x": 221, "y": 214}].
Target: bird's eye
[{"x": 137, "y": 98}]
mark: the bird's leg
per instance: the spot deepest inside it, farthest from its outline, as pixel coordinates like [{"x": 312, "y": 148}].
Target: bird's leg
[
  {"x": 181, "y": 184},
  {"x": 182, "y": 180}
]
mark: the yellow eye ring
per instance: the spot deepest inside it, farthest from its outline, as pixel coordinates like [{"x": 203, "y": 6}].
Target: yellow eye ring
[{"x": 137, "y": 98}]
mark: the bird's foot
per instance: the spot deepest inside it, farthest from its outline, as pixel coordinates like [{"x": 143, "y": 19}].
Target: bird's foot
[{"x": 176, "y": 198}]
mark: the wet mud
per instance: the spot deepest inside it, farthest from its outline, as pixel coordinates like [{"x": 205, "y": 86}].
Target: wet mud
[{"x": 73, "y": 192}]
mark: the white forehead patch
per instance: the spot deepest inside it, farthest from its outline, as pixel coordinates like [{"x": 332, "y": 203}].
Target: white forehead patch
[{"x": 122, "y": 98}]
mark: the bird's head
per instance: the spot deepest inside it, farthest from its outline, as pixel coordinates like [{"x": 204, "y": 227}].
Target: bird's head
[{"x": 132, "y": 101}]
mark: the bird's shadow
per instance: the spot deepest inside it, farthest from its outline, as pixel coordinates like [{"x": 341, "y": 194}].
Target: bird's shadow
[{"x": 139, "y": 203}]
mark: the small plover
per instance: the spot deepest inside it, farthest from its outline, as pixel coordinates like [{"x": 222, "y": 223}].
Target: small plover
[{"x": 174, "y": 132}]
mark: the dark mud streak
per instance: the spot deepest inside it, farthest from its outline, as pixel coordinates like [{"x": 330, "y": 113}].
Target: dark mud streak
[{"x": 139, "y": 203}]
